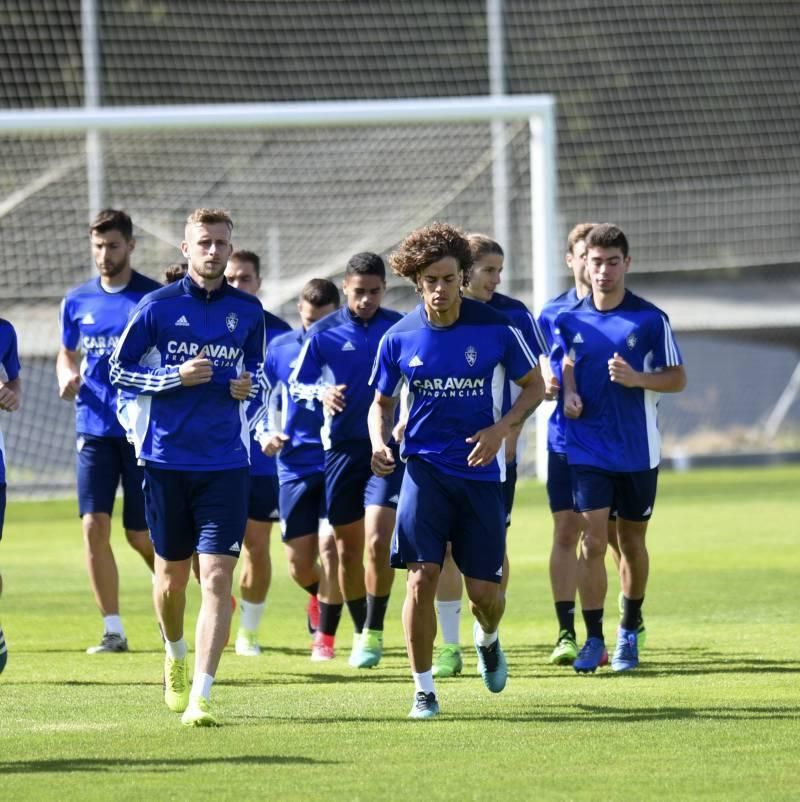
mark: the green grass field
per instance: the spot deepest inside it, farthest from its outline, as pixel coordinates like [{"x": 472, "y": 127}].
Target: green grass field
[{"x": 713, "y": 712}]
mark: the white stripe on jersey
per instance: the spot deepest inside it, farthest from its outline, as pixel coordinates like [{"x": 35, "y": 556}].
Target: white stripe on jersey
[
  {"x": 651, "y": 417},
  {"x": 375, "y": 362},
  {"x": 537, "y": 330},
  {"x": 498, "y": 386},
  {"x": 524, "y": 346},
  {"x": 670, "y": 349}
]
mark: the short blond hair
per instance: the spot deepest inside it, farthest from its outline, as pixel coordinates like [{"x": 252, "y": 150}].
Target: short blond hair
[
  {"x": 203, "y": 216},
  {"x": 578, "y": 233}
]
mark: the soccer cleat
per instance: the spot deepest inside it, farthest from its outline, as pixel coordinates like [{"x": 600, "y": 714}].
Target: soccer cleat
[
  {"x": 492, "y": 665},
  {"x": 590, "y": 656},
  {"x": 176, "y": 684},
  {"x": 641, "y": 632},
  {"x": 425, "y": 705},
  {"x": 367, "y": 649},
  {"x": 3, "y": 651},
  {"x": 565, "y": 650},
  {"x": 448, "y": 662},
  {"x": 312, "y": 614},
  {"x": 322, "y": 649},
  {"x": 111, "y": 642},
  {"x": 246, "y": 644},
  {"x": 198, "y": 713},
  {"x": 626, "y": 655}
]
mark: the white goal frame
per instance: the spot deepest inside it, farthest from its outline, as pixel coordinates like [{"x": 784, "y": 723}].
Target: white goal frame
[{"x": 539, "y": 110}]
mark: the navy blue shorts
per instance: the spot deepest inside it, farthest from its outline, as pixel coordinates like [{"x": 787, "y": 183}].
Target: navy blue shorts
[
  {"x": 203, "y": 511},
  {"x": 436, "y": 507},
  {"x": 263, "y": 503},
  {"x": 102, "y": 462},
  {"x": 302, "y": 505},
  {"x": 2, "y": 507},
  {"x": 509, "y": 488},
  {"x": 350, "y": 485},
  {"x": 631, "y": 495},
  {"x": 559, "y": 482}
]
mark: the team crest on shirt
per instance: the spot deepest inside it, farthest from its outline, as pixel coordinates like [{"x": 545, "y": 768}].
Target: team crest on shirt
[
  {"x": 631, "y": 340},
  {"x": 232, "y": 321},
  {"x": 472, "y": 355}
]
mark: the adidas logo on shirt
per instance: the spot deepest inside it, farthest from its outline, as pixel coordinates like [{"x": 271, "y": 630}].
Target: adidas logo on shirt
[
  {"x": 578, "y": 338},
  {"x": 88, "y": 319},
  {"x": 394, "y": 499},
  {"x": 348, "y": 346},
  {"x": 235, "y": 547},
  {"x": 415, "y": 362},
  {"x": 182, "y": 321}
]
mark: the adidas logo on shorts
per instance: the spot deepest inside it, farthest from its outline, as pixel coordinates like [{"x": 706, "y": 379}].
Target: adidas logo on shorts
[{"x": 235, "y": 547}]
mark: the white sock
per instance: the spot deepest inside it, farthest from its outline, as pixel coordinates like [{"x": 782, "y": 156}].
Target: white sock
[
  {"x": 449, "y": 620},
  {"x": 201, "y": 686},
  {"x": 485, "y": 638},
  {"x": 113, "y": 623},
  {"x": 251, "y": 615},
  {"x": 424, "y": 682},
  {"x": 176, "y": 649}
]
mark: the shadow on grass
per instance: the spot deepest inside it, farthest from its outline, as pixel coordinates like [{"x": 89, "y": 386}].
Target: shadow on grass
[{"x": 129, "y": 765}]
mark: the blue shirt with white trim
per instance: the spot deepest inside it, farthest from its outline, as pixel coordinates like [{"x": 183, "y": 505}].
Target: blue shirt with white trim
[
  {"x": 300, "y": 420},
  {"x": 456, "y": 377},
  {"x": 618, "y": 427},
  {"x": 92, "y": 320},
  {"x": 9, "y": 370},
  {"x": 556, "y": 425},
  {"x": 340, "y": 349},
  {"x": 521, "y": 317},
  {"x": 199, "y": 428}
]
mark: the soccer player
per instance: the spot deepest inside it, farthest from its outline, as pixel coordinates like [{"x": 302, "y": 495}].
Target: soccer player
[
  {"x": 10, "y": 392},
  {"x": 483, "y": 279},
  {"x": 93, "y": 316},
  {"x": 334, "y": 366},
  {"x": 292, "y": 431},
  {"x": 188, "y": 354},
  {"x": 619, "y": 356},
  {"x": 244, "y": 273},
  {"x": 455, "y": 355}
]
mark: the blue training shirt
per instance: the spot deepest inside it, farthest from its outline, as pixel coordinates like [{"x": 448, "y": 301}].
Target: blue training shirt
[
  {"x": 340, "y": 349},
  {"x": 456, "y": 377},
  {"x": 556, "y": 425},
  {"x": 521, "y": 317},
  {"x": 618, "y": 427},
  {"x": 260, "y": 463},
  {"x": 300, "y": 420},
  {"x": 9, "y": 370},
  {"x": 92, "y": 320},
  {"x": 200, "y": 428}
]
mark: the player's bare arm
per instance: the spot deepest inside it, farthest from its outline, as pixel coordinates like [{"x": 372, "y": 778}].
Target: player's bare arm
[
  {"x": 489, "y": 440},
  {"x": 667, "y": 380},
  {"x": 380, "y": 420},
  {"x": 10, "y": 393},
  {"x": 240, "y": 387},
  {"x": 573, "y": 405},
  {"x": 68, "y": 373}
]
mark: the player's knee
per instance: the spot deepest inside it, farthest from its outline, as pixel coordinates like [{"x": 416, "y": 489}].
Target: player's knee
[
  {"x": 96, "y": 528},
  {"x": 139, "y": 540},
  {"x": 216, "y": 581},
  {"x": 422, "y": 583},
  {"x": 593, "y": 547},
  {"x": 566, "y": 536}
]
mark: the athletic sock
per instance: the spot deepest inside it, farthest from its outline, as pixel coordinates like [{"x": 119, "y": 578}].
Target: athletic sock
[
  {"x": 113, "y": 623},
  {"x": 594, "y": 623},
  {"x": 424, "y": 682},
  {"x": 358, "y": 612},
  {"x": 251, "y": 615},
  {"x": 486, "y": 639},
  {"x": 201, "y": 686},
  {"x": 449, "y": 620},
  {"x": 565, "y": 611},
  {"x": 176, "y": 649},
  {"x": 631, "y": 613},
  {"x": 312, "y": 589},
  {"x": 376, "y": 611},
  {"x": 329, "y": 615}
]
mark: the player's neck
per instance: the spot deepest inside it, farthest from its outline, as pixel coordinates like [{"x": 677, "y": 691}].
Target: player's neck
[
  {"x": 581, "y": 290},
  {"x": 121, "y": 279},
  {"x": 207, "y": 284},
  {"x": 608, "y": 300},
  {"x": 446, "y": 318}
]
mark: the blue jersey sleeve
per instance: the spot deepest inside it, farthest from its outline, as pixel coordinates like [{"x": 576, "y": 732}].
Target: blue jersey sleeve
[
  {"x": 518, "y": 358},
  {"x": 131, "y": 367},
  {"x": 9, "y": 357},
  {"x": 666, "y": 353},
  {"x": 70, "y": 333},
  {"x": 306, "y": 382},
  {"x": 533, "y": 334},
  {"x": 386, "y": 375}
]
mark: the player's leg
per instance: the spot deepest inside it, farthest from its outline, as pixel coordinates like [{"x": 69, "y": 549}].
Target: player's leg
[
  {"x": 133, "y": 515},
  {"x": 3, "y": 646},
  {"x": 99, "y": 468},
  {"x": 449, "y": 661},
  {"x": 330, "y": 597},
  {"x": 419, "y": 627}
]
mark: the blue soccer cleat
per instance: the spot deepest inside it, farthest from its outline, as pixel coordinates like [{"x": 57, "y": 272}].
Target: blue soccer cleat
[
  {"x": 590, "y": 656},
  {"x": 492, "y": 665},
  {"x": 425, "y": 705},
  {"x": 626, "y": 655}
]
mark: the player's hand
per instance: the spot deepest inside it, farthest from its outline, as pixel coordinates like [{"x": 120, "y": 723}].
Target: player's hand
[
  {"x": 198, "y": 370},
  {"x": 573, "y": 406},
  {"x": 275, "y": 443},
  {"x": 69, "y": 389},
  {"x": 241, "y": 387},
  {"x": 399, "y": 431},
  {"x": 9, "y": 400},
  {"x": 552, "y": 389},
  {"x": 487, "y": 444},
  {"x": 382, "y": 463},
  {"x": 622, "y": 373},
  {"x": 333, "y": 398}
]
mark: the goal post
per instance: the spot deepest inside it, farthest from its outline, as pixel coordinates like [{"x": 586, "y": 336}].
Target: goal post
[{"x": 265, "y": 161}]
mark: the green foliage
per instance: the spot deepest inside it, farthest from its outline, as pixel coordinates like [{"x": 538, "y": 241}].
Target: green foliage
[{"x": 711, "y": 713}]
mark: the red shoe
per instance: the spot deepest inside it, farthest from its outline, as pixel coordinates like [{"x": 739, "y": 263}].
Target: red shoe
[
  {"x": 312, "y": 614},
  {"x": 604, "y": 658},
  {"x": 322, "y": 649}
]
